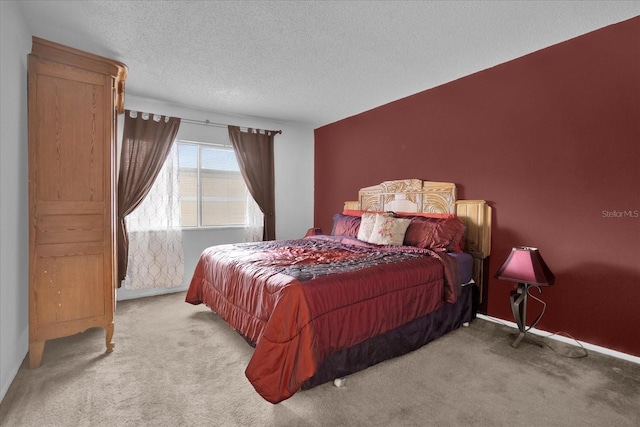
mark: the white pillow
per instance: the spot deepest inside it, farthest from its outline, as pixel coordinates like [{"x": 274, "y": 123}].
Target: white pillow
[
  {"x": 388, "y": 230},
  {"x": 367, "y": 221}
]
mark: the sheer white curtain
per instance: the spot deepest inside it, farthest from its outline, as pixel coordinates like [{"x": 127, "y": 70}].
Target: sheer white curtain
[
  {"x": 156, "y": 254},
  {"x": 254, "y": 221}
]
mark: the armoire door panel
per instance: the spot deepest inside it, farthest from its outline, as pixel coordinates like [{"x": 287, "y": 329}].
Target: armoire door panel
[
  {"x": 70, "y": 140},
  {"x": 69, "y": 288}
]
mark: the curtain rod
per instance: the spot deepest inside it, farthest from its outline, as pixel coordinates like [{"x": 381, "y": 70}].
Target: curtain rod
[{"x": 210, "y": 123}]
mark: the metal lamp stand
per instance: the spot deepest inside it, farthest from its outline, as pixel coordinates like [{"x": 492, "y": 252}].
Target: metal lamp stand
[{"x": 519, "y": 308}]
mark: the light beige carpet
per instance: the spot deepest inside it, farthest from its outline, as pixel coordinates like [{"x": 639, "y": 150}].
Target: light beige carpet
[{"x": 180, "y": 365}]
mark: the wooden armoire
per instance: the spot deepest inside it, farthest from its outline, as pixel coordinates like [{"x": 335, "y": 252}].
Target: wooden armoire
[{"x": 74, "y": 100}]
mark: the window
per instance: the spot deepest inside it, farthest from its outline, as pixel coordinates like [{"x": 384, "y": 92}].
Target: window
[{"x": 212, "y": 190}]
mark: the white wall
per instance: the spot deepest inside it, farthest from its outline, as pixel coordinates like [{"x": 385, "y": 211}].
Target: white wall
[{"x": 15, "y": 45}]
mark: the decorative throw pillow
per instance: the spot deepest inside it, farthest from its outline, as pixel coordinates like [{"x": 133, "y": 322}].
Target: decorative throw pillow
[
  {"x": 367, "y": 221},
  {"x": 345, "y": 225},
  {"x": 388, "y": 230}
]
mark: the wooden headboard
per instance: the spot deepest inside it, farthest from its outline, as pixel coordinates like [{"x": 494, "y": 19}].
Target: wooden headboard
[{"x": 415, "y": 195}]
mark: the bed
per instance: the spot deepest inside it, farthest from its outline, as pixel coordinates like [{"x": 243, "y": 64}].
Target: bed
[{"x": 401, "y": 267}]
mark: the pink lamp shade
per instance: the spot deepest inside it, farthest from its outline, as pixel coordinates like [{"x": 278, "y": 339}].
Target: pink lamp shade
[{"x": 525, "y": 265}]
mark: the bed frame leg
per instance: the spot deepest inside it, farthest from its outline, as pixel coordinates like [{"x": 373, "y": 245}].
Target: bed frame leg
[
  {"x": 465, "y": 324},
  {"x": 339, "y": 382}
]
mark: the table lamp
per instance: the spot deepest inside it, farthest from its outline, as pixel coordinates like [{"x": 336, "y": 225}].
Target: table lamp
[{"x": 526, "y": 267}]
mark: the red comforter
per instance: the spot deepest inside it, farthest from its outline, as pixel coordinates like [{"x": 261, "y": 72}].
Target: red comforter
[{"x": 301, "y": 300}]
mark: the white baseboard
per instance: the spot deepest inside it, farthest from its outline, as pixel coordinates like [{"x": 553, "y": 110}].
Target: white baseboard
[
  {"x": 125, "y": 294},
  {"x": 566, "y": 340}
]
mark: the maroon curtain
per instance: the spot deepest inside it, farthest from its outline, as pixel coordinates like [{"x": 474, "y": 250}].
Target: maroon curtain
[
  {"x": 254, "y": 152},
  {"x": 146, "y": 141}
]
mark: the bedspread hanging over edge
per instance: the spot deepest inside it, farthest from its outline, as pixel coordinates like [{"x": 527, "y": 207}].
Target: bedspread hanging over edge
[{"x": 287, "y": 351}]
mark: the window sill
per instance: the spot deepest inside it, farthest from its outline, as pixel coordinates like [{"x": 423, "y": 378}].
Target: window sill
[{"x": 214, "y": 227}]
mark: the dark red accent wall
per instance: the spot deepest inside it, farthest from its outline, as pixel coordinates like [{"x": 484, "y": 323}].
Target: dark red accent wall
[{"x": 552, "y": 141}]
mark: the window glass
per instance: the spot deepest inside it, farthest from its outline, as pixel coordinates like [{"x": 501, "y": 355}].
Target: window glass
[{"x": 212, "y": 190}]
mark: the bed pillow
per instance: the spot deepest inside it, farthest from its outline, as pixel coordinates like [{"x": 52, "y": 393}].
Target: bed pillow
[
  {"x": 389, "y": 230},
  {"x": 435, "y": 233},
  {"x": 345, "y": 225},
  {"x": 367, "y": 222},
  {"x": 458, "y": 230}
]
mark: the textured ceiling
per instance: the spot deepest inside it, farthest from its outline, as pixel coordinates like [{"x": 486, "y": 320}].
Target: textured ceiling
[{"x": 309, "y": 62}]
